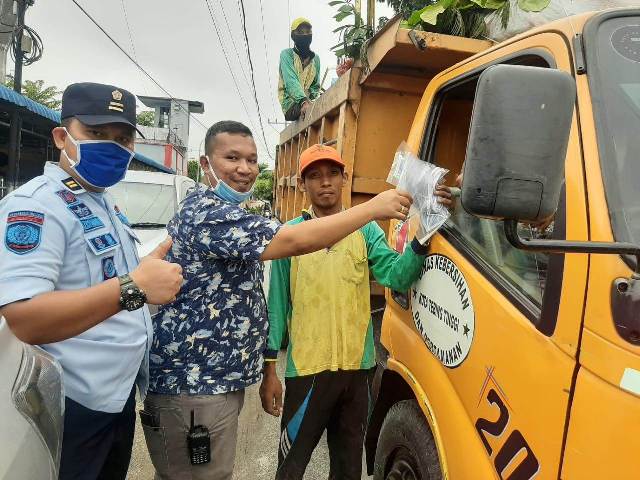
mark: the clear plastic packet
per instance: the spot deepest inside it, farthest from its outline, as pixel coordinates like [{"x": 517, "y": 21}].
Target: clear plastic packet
[{"x": 420, "y": 179}]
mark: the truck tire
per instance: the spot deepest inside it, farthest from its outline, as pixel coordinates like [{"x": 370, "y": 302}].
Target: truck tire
[{"x": 406, "y": 449}]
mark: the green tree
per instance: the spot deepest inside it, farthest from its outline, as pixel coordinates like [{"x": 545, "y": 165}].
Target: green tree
[
  {"x": 35, "y": 90},
  {"x": 146, "y": 118},
  {"x": 406, "y": 7},
  {"x": 194, "y": 170},
  {"x": 263, "y": 189}
]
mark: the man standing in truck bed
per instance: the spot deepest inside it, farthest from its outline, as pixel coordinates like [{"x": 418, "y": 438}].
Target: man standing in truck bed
[
  {"x": 322, "y": 299},
  {"x": 299, "y": 82}
]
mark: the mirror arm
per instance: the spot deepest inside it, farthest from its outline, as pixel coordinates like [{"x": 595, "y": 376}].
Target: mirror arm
[{"x": 568, "y": 246}]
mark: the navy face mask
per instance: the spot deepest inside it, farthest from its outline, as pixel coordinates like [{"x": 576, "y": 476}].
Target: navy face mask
[
  {"x": 302, "y": 43},
  {"x": 100, "y": 163}
]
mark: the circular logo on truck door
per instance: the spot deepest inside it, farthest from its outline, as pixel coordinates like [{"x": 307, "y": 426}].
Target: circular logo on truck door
[{"x": 443, "y": 311}]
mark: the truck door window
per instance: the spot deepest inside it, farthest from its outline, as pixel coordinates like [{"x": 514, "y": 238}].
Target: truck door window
[{"x": 523, "y": 274}]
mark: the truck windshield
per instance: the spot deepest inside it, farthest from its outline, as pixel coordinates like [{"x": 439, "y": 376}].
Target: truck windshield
[
  {"x": 616, "y": 98},
  {"x": 145, "y": 204}
]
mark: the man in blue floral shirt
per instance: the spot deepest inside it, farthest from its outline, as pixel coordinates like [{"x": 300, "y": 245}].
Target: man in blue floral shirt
[{"x": 208, "y": 343}]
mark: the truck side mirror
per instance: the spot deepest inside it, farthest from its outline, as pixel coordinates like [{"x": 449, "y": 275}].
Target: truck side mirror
[{"x": 518, "y": 142}]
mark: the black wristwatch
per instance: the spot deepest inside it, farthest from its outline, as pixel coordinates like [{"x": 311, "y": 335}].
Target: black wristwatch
[{"x": 132, "y": 297}]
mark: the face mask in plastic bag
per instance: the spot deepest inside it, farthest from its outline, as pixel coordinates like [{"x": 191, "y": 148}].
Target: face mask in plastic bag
[{"x": 420, "y": 179}]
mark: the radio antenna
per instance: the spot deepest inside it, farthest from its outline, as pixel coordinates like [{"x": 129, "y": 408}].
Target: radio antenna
[{"x": 575, "y": 33}]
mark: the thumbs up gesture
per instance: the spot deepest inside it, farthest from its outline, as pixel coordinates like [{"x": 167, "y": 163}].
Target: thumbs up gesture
[
  {"x": 162, "y": 249},
  {"x": 160, "y": 280}
]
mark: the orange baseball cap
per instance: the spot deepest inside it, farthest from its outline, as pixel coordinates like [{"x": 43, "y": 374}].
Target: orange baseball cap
[{"x": 317, "y": 153}]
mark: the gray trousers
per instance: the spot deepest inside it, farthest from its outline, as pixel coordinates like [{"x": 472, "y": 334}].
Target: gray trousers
[{"x": 167, "y": 438}]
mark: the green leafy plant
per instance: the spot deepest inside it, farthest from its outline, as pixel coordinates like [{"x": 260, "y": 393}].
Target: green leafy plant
[
  {"x": 407, "y": 7},
  {"x": 145, "y": 118},
  {"x": 263, "y": 189},
  {"x": 35, "y": 90},
  {"x": 354, "y": 35},
  {"x": 467, "y": 18},
  {"x": 193, "y": 168}
]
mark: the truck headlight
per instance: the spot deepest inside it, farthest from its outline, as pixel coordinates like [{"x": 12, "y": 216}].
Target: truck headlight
[{"x": 38, "y": 395}]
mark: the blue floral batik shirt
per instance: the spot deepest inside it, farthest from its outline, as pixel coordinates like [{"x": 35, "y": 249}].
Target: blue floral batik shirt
[{"x": 211, "y": 339}]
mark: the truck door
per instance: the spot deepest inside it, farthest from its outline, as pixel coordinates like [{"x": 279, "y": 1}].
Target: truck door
[{"x": 503, "y": 324}]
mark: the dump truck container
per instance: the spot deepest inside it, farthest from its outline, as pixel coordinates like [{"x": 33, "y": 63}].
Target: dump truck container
[{"x": 368, "y": 112}]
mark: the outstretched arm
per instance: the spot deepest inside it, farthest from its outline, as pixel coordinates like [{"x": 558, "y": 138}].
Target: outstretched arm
[{"x": 314, "y": 235}]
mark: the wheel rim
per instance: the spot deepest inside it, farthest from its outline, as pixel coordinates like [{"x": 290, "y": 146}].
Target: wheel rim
[{"x": 403, "y": 466}]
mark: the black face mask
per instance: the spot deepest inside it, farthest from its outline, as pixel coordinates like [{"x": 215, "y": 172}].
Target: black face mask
[{"x": 302, "y": 43}]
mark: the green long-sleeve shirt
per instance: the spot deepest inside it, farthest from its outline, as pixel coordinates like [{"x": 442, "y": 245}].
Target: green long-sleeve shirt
[
  {"x": 296, "y": 82},
  {"x": 322, "y": 300}
]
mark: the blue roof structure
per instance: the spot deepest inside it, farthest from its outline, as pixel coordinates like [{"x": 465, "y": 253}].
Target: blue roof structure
[
  {"x": 152, "y": 163},
  {"x": 8, "y": 95}
]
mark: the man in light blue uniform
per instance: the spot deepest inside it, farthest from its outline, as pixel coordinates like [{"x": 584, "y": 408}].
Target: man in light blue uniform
[{"x": 72, "y": 282}]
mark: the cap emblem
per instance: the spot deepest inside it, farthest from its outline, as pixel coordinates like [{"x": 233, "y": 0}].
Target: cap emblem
[{"x": 117, "y": 95}]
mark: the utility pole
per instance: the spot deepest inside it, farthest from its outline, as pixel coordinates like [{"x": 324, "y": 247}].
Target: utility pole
[{"x": 15, "y": 129}]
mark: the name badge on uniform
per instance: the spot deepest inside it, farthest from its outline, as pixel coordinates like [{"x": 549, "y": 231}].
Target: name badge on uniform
[
  {"x": 80, "y": 210},
  {"x": 90, "y": 224},
  {"x": 102, "y": 243}
]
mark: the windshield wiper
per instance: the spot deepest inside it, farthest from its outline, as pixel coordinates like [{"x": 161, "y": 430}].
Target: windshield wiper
[{"x": 148, "y": 225}]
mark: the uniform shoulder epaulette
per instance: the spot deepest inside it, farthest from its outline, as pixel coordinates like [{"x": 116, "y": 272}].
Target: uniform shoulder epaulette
[
  {"x": 30, "y": 188},
  {"x": 73, "y": 186}
]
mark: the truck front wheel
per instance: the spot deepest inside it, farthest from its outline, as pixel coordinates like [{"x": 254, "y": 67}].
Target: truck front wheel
[{"x": 406, "y": 449}]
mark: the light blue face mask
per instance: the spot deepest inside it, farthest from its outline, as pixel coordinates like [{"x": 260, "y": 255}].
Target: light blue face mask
[
  {"x": 225, "y": 192},
  {"x": 100, "y": 163}
]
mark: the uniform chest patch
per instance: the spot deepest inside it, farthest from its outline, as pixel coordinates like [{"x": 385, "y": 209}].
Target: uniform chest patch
[
  {"x": 90, "y": 224},
  {"x": 67, "y": 197},
  {"x": 108, "y": 268},
  {"x": 24, "y": 231},
  {"x": 80, "y": 210},
  {"x": 102, "y": 243}
]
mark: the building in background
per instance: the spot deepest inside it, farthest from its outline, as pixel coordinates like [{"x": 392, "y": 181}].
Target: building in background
[
  {"x": 36, "y": 146},
  {"x": 167, "y": 141}
]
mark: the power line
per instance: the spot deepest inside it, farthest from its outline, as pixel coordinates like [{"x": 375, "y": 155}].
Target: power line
[
  {"x": 289, "y": 17},
  {"x": 126, "y": 20},
  {"x": 133, "y": 47},
  {"x": 135, "y": 62},
  {"x": 226, "y": 58},
  {"x": 226, "y": 21},
  {"x": 233, "y": 77},
  {"x": 253, "y": 80},
  {"x": 266, "y": 59}
]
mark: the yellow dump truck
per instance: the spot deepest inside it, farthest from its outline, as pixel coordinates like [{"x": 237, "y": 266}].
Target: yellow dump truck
[{"x": 511, "y": 358}]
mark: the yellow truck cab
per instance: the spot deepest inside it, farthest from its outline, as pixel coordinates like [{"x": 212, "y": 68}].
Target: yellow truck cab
[
  {"x": 517, "y": 353},
  {"x": 517, "y": 363}
]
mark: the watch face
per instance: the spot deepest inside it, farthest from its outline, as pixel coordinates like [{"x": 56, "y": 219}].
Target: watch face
[{"x": 132, "y": 298}]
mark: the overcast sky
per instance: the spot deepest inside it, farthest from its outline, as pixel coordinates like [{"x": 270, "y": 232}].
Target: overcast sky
[{"x": 177, "y": 44}]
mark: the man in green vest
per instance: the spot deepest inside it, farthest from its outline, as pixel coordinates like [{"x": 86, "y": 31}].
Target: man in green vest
[
  {"x": 322, "y": 301},
  {"x": 299, "y": 73}
]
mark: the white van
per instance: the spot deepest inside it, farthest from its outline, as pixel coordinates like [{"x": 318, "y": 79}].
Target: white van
[
  {"x": 31, "y": 409},
  {"x": 150, "y": 200}
]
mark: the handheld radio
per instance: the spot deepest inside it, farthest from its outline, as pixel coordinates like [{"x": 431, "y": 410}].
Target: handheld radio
[{"x": 199, "y": 443}]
